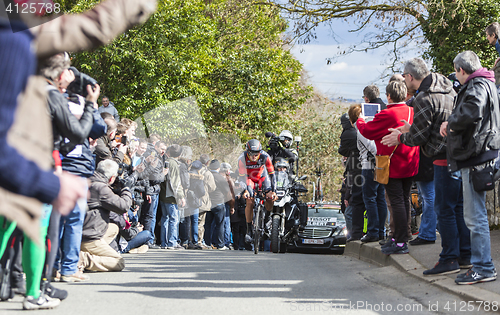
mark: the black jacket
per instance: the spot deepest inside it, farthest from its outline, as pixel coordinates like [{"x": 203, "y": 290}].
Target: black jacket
[
  {"x": 153, "y": 171},
  {"x": 378, "y": 100},
  {"x": 102, "y": 200},
  {"x": 432, "y": 106},
  {"x": 473, "y": 134},
  {"x": 64, "y": 123},
  {"x": 348, "y": 138},
  {"x": 196, "y": 186}
]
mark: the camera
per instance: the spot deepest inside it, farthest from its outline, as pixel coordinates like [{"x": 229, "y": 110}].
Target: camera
[
  {"x": 79, "y": 85},
  {"x": 166, "y": 164},
  {"x": 274, "y": 141}
]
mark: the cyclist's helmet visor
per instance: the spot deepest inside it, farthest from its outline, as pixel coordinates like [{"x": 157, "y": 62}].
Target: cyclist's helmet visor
[{"x": 253, "y": 147}]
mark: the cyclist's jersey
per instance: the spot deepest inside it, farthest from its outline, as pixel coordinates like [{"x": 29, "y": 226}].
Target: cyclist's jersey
[{"x": 256, "y": 172}]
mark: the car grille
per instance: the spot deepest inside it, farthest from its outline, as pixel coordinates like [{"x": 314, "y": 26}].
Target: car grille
[{"x": 315, "y": 232}]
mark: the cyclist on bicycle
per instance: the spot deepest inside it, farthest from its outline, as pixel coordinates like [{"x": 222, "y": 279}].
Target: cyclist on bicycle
[{"x": 256, "y": 170}]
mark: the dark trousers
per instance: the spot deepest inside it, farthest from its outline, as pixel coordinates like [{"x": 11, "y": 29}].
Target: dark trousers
[
  {"x": 358, "y": 210},
  {"x": 239, "y": 229},
  {"x": 215, "y": 214},
  {"x": 398, "y": 190}
]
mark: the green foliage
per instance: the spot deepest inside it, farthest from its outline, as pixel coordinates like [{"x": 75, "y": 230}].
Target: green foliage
[
  {"x": 227, "y": 54},
  {"x": 455, "y": 26},
  {"x": 318, "y": 123}
]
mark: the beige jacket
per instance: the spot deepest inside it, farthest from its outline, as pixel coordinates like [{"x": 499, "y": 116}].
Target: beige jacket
[
  {"x": 31, "y": 133},
  {"x": 208, "y": 180}
]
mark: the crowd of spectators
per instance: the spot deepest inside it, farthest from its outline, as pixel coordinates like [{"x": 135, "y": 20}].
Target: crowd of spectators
[
  {"x": 439, "y": 134},
  {"x": 93, "y": 191}
]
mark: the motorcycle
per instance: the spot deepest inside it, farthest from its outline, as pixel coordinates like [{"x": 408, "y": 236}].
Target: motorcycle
[{"x": 288, "y": 213}]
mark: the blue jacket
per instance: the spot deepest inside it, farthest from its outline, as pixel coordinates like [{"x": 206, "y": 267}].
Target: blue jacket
[
  {"x": 17, "y": 63},
  {"x": 80, "y": 161}
]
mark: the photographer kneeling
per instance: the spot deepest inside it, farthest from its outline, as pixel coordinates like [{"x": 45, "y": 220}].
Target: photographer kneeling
[{"x": 96, "y": 254}]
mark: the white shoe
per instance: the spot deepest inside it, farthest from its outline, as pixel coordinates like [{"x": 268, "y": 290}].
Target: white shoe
[
  {"x": 177, "y": 246},
  {"x": 43, "y": 302},
  {"x": 224, "y": 248}
]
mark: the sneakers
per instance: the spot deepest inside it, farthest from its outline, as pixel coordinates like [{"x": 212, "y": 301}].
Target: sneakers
[
  {"x": 197, "y": 246},
  {"x": 368, "y": 239},
  {"x": 464, "y": 263},
  {"x": 471, "y": 277},
  {"x": 176, "y": 247},
  {"x": 420, "y": 241},
  {"x": 223, "y": 248},
  {"x": 203, "y": 246},
  {"x": 153, "y": 246},
  {"x": 77, "y": 277},
  {"x": 443, "y": 268},
  {"x": 52, "y": 292},
  {"x": 139, "y": 250},
  {"x": 393, "y": 248},
  {"x": 43, "y": 302},
  {"x": 56, "y": 275},
  {"x": 388, "y": 243},
  {"x": 383, "y": 241}
]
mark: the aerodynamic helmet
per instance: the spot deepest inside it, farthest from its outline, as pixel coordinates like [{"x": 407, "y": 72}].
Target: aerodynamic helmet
[{"x": 254, "y": 146}]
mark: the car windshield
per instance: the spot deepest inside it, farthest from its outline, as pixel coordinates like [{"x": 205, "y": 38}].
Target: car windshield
[{"x": 325, "y": 216}]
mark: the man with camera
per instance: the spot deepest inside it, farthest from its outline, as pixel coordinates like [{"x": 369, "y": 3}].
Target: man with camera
[
  {"x": 72, "y": 125},
  {"x": 96, "y": 253},
  {"x": 473, "y": 144},
  {"x": 171, "y": 198},
  {"x": 155, "y": 170},
  {"x": 280, "y": 147}
]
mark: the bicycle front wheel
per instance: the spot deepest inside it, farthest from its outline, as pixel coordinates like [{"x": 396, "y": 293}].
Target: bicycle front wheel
[{"x": 259, "y": 228}]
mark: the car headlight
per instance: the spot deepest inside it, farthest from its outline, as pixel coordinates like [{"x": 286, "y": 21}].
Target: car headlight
[{"x": 340, "y": 231}]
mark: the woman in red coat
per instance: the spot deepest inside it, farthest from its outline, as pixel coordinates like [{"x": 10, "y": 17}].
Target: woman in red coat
[{"x": 404, "y": 161}]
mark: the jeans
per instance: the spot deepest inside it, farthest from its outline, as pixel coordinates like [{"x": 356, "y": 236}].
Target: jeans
[
  {"x": 140, "y": 239},
  {"x": 70, "y": 238},
  {"x": 227, "y": 226},
  {"x": 133, "y": 218},
  {"x": 476, "y": 218},
  {"x": 169, "y": 224},
  {"x": 188, "y": 227},
  {"x": 215, "y": 214},
  {"x": 148, "y": 217},
  {"x": 448, "y": 204},
  {"x": 376, "y": 207},
  {"x": 427, "y": 230},
  {"x": 348, "y": 220},
  {"x": 194, "y": 225}
]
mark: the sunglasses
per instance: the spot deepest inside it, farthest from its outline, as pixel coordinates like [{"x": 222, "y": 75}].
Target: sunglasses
[{"x": 253, "y": 153}]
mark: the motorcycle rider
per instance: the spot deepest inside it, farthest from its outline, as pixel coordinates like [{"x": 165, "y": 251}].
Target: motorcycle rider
[
  {"x": 280, "y": 147},
  {"x": 281, "y": 166},
  {"x": 256, "y": 169}
]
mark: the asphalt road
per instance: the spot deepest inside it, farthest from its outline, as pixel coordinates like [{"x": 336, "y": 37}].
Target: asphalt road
[{"x": 240, "y": 282}]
